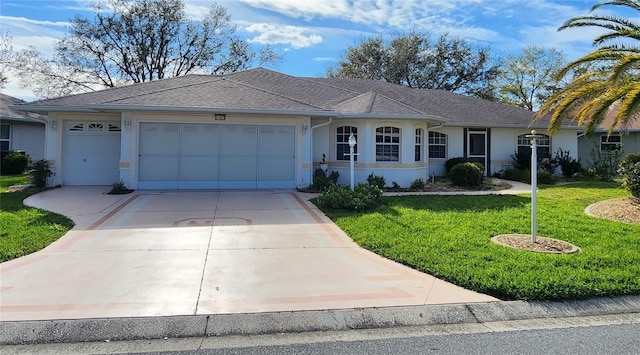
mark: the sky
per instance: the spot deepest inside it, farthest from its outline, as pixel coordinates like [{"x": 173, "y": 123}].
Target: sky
[{"x": 313, "y": 34}]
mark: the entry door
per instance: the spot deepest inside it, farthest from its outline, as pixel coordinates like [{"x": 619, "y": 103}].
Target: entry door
[{"x": 477, "y": 147}]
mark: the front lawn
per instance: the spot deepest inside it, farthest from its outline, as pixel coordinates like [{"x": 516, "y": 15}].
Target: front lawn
[
  {"x": 24, "y": 230},
  {"x": 449, "y": 237}
]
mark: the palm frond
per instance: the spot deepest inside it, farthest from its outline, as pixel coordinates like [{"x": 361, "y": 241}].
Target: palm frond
[
  {"x": 629, "y": 107},
  {"x": 634, "y": 4}
]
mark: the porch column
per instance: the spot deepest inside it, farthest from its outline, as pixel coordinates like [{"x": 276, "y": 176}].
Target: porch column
[
  {"x": 126, "y": 124},
  {"x": 53, "y": 148}
]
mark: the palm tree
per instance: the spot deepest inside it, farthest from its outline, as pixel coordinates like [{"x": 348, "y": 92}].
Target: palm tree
[{"x": 609, "y": 79}]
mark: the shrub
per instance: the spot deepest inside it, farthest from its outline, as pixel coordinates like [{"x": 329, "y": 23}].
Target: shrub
[
  {"x": 363, "y": 196},
  {"x": 39, "y": 172},
  {"x": 378, "y": 181},
  {"x": 333, "y": 177},
  {"x": 15, "y": 163},
  {"x": 548, "y": 165},
  {"x": 605, "y": 162},
  {"x": 449, "y": 164},
  {"x": 521, "y": 160},
  {"x": 631, "y": 180},
  {"x": 395, "y": 186},
  {"x": 417, "y": 185},
  {"x": 545, "y": 177},
  {"x": 629, "y": 168},
  {"x": 119, "y": 188},
  {"x": 517, "y": 175},
  {"x": 627, "y": 162},
  {"x": 568, "y": 165},
  {"x": 466, "y": 175},
  {"x": 320, "y": 180}
]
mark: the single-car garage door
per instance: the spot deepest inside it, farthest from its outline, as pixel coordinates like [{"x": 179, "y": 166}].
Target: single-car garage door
[
  {"x": 216, "y": 156},
  {"x": 91, "y": 153}
]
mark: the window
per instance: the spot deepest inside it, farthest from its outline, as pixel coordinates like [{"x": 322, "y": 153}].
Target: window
[
  {"x": 95, "y": 127},
  {"x": 543, "y": 142},
  {"x": 75, "y": 127},
  {"x": 437, "y": 145},
  {"x": 418, "y": 147},
  {"x": 342, "y": 142},
  {"x": 5, "y": 136},
  {"x": 610, "y": 142},
  {"x": 113, "y": 127},
  {"x": 387, "y": 144}
]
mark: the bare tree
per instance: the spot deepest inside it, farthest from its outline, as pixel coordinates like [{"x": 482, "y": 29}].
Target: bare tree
[
  {"x": 137, "y": 41},
  {"x": 7, "y": 56}
]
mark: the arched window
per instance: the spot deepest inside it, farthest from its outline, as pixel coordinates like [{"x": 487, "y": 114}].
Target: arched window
[
  {"x": 387, "y": 144},
  {"x": 437, "y": 145},
  {"x": 342, "y": 142},
  {"x": 543, "y": 143}
]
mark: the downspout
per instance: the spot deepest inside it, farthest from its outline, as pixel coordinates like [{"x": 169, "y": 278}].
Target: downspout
[{"x": 427, "y": 145}]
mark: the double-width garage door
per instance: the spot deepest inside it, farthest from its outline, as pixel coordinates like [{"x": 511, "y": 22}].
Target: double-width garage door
[{"x": 216, "y": 156}]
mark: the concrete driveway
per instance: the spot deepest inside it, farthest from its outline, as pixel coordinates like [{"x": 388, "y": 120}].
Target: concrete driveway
[{"x": 203, "y": 252}]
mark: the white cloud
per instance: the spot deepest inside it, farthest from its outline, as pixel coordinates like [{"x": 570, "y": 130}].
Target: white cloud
[
  {"x": 324, "y": 59},
  {"x": 295, "y": 36},
  {"x": 399, "y": 14},
  {"x": 25, "y": 22}
]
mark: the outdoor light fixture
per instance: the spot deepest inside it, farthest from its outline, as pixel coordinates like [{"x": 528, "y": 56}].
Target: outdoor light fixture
[
  {"x": 52, "y": 123},
  {"x": 305, "y": 128},
  {"x": 127, "y": 124},
  {"x": 534, "y": 183},
  {"x": 352, "y": 144}
]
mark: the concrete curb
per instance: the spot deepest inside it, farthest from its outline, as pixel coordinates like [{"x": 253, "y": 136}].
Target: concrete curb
[{"x": 98, "y": 329}]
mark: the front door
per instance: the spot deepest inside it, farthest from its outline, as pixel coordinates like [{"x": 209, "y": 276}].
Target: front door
[{"x": 477, "y": 146}]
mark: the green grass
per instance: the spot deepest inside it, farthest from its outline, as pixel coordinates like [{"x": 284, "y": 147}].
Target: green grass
[
  {"x": 24, "y": 230},
  {"x": 12, "y": 180},
  {"x": 449, "y": 237}
]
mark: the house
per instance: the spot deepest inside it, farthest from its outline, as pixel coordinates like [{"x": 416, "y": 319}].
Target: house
[
  {"x": 260, "y": 129},
  {"x": 625, "y": 139},
  {"x": 20, "y": 132}
]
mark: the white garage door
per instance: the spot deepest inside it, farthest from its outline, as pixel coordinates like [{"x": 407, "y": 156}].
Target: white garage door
[
  {"x": 91, "y": 153},
  {"x": 214, "y": 156}
]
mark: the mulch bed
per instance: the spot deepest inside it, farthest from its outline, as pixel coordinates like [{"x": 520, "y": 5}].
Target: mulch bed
[
  {"x": 542, "y": 244},
  {"x": 624, "y": 209}
]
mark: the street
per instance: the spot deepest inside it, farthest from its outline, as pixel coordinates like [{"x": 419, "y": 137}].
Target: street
[{"x": 611, "y": 334}]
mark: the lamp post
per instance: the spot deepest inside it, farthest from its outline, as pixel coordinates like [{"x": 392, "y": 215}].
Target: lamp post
[
  {"x": 352, "y": 144},
  {"x": 534, "y": 183}
]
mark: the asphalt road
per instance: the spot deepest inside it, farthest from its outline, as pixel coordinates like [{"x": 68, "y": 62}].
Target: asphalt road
[{"x": 610, "y": 334}]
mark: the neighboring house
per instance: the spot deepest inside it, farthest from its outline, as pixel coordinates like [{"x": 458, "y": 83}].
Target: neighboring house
[
  {"x": 263, "y": 129},
  {"x": 19, "y": 131},
  {"x": 626, "y": 139}
]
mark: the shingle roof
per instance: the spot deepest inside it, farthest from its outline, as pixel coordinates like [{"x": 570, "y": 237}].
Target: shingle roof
[
  {"x": 262, "y": 89},
  {"x": 9, "y": 114}
]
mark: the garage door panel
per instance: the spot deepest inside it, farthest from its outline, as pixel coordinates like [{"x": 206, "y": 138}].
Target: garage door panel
[
  {"x": 200, "y": 139},
  {"x": 194, "y": 168},
  {"x": 242, "y": 168},
  {"x": 275, "y": 168},
  {"x": 277, "y": 140},
  {"x": 159, "y": 168},
  {"x": 159, "y": 138}
]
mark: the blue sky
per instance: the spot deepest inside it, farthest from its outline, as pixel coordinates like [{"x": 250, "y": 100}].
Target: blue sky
[{"x": 312, "y": 34}]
